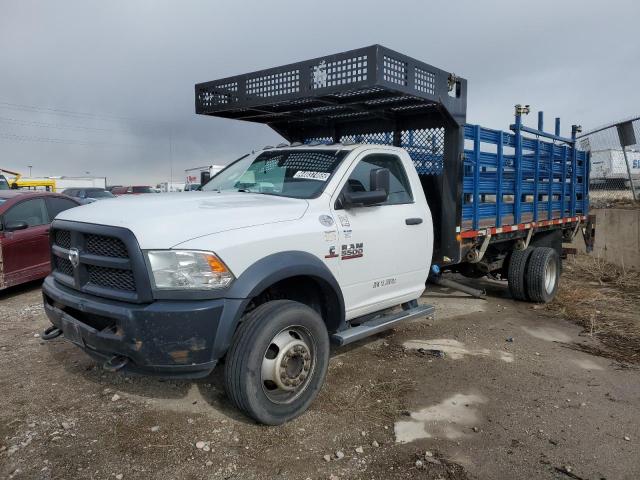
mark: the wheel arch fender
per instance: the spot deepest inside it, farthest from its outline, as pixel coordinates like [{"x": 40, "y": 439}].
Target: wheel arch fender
[{"x": 268, "y": 271}]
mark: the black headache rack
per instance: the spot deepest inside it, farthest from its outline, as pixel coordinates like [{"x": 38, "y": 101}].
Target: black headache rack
[{"x": 368, "y": 95}]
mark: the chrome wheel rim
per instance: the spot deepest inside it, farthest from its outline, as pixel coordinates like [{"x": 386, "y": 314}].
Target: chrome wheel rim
[
  {"x": 288, "y": 364},
  {"x": 550, "y": 272}
]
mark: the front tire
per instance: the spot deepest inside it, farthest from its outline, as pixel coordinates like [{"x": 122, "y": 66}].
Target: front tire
[{"x": 277, "y": 361}]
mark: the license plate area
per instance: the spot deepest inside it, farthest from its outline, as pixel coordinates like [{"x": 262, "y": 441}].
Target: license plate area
[{"x": 72, "y": 331}]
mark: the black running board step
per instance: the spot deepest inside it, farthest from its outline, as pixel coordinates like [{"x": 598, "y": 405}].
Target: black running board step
[{"x": 379, "y": 324}]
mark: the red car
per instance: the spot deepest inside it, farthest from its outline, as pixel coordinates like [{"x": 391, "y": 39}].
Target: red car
[{"x": 25, "y": 217}]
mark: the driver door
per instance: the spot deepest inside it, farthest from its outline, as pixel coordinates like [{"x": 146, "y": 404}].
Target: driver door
[
  {"x": 25, "y": 253},
  {"x": 382, "y": 249}
]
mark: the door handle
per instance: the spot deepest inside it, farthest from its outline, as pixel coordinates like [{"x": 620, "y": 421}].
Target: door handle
[{"x": 413, "y": 221}]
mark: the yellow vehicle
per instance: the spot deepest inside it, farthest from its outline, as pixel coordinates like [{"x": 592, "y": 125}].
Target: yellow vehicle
[{"x": 17, "y": 181}]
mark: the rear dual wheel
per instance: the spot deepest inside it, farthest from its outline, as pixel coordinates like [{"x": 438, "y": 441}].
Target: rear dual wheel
[{"x": 534, "y": 274}]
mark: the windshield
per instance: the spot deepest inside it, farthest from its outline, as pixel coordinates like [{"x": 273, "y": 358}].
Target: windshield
[
  {"x": 141, "y": 190},
  {"x": 4, "y": 185},
  {"x": 286, "y": 173},
  {"x": 99, "y": 194}
]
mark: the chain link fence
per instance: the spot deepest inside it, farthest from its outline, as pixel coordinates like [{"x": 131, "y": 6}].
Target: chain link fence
[{"x": 615, "y": 163}]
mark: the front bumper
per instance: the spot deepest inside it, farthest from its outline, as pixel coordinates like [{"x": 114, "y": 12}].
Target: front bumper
[{"x": 170, "y": 338}]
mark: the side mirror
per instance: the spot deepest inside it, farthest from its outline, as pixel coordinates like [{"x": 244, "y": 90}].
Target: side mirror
[
  {"x": 380, "y": 180},
  {"x": 12, "y": 226},
  {"x": 379, "y": 192}
]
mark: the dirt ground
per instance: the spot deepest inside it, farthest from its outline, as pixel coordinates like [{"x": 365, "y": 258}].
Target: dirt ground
[{"x": 518, "y": 392}]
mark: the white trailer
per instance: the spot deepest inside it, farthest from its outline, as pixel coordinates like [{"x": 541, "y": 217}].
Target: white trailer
[
  {"x": 609, "y": 166},
  {"x": 200, "y": 175},
  {"x": 64, "y": 182},
  {"x": 171, "y": 187}
]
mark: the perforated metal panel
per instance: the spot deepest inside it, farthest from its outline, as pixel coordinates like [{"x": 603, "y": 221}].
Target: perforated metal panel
[
  {"x": 315, "y": 161},
  {"x": 319, "y": 140},
  {"x": 380, "y": 138},
  {"x": 394, "y": 70},
  {"x": 274, "y": 84},
  {"x": 426, "y": 149},
  {"x": 425, "y": 81},
  {"x": 339, "y": 72},
  {"x": 224, "y": 94}
]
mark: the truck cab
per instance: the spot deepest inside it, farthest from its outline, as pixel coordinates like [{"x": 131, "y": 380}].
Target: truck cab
[{"x": 331, "y": 234}]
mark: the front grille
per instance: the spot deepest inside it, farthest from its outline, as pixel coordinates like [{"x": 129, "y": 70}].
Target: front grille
[
  {"x": 62, "y": 238},
  {"x": 64, "y": 266},
  {"x": 111, "y": 278},
  {"x": 105, "y": 246},
  {"x": 114, "y": 277}
]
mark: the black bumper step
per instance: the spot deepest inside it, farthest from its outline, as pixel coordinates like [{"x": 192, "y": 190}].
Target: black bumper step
[{"x": 379, "y": 324}]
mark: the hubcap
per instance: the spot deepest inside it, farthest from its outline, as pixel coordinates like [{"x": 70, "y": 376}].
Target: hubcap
[
  {"x": 550, "y": 271},
  {"x": 288, "y": 364}
]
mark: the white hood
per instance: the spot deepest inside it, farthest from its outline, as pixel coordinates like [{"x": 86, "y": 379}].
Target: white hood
[{"x": 165, "y": 220}]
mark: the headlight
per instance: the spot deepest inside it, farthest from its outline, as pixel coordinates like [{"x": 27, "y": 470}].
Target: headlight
[{"x": 188, "y": 269}]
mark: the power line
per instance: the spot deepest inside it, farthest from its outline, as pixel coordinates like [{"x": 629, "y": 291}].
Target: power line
[
  {"x": 62, "y": 141},
  {"x": 72, "y": 113},
  {"x": 27, "y": 123}
]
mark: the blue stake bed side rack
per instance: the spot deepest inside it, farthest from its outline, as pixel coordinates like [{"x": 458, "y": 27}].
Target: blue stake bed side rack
[{"x": 478, "y": 182}]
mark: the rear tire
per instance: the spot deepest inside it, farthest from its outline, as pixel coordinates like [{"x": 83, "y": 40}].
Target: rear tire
[
  {"x": 543, "y": 274},
  {"x": 517, "y": 273},
  {"x": 277, "y": 361}
]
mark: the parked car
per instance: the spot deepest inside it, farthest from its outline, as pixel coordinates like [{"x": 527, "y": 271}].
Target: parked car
[
  {"x": 132, "y": 190},
  {"x": 88, "y": 195},
  {"x": 25, "y": 217},
  {"x": 192, "y": 187}
]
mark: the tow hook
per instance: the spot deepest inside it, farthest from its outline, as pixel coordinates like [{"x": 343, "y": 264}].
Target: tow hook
[
  {"x": 51, "y": 333},
  {"x": 115, "y": 363}
]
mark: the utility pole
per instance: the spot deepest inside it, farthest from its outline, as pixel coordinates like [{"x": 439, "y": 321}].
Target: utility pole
[
  {"x": 30, "y": 167},
  {"x": 170, "y": 156},
  {"x": 627, "y": 137}
]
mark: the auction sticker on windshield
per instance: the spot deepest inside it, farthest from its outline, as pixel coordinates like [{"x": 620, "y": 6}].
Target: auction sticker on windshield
[{"x": 320, "y": 176}]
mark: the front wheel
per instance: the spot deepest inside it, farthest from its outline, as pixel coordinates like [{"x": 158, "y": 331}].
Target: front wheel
[{"x": 277, "y": 361}]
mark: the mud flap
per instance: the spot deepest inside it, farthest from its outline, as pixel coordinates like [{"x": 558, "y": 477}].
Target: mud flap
[{"x": 589, "y": 233}]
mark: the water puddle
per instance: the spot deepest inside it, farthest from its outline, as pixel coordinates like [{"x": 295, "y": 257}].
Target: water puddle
[
  {"x": 448, "y": 419},
  {"x": 549, "y": 334},
  {"x": 456, "y": 350}
]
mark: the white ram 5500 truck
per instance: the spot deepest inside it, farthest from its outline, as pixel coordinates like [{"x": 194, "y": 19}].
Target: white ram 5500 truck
[
  {"x": 283, "y": 247},
  {"x": 328, "y": 238}
]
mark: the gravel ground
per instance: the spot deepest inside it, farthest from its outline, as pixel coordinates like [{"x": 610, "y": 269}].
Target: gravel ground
[{"x": 513, "y": 395}]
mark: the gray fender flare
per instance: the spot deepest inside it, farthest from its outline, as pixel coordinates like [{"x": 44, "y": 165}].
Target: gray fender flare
[{"x": 266, "y": 272}]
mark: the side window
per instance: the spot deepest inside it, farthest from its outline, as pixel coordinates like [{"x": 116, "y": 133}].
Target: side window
[
  {"x": 33, "y": 212},
  {"x": 399, "y": 188},
  {"x": 57, "y": 205}
]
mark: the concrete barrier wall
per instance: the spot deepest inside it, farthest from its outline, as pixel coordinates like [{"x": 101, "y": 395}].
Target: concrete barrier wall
[{"x": 617, "y": 236}]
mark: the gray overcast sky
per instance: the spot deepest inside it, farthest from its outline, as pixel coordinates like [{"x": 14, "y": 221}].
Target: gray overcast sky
[{"x": 131, "y": 65}]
